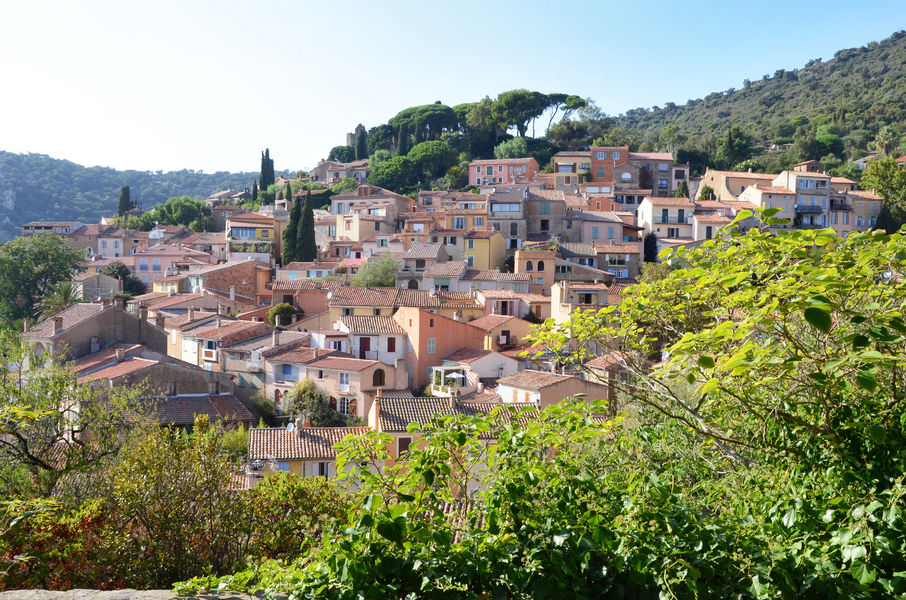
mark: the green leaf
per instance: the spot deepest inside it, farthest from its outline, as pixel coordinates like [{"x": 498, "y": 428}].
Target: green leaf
[
  {"x": 876, "y": 433},
  {"x": 789, "y": 518},
  {"x": 705, "y": 362},
  {"x": 819, "y": 318},
  {"x": 390, "y": 530},
  {"x": 860, "y": 341},
  {"x": 867, "y": 380},
  {"x": 709, "y": 386},
  {"x": 864, "y": 573}
]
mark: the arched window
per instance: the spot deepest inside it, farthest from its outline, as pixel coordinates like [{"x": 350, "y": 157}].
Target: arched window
[
  {"x": 378, "y": 378},
  {"x": 528, "y": 265},
  {"x": 540, "y": 266},
  {"x": 626, "y": 177}
]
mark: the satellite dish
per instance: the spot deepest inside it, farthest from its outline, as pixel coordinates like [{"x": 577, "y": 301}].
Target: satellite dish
[
  {"x": 329, "y": 295},
  {"x": 290, "y": 426}
]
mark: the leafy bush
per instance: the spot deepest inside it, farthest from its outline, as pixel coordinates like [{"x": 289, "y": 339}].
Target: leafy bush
[{"x": 285, "y": 311}]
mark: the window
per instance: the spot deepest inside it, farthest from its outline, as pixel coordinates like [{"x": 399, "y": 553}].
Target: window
[
  {"x": 615, "y": 155},
  {"x": 344, "y": 378},
  {"x": 500, "y": 168},
  {"x": 662, "y": 167},
  {"x": 626, "y": 177},
  {"x": 320, "y": 374},
  {"x": 459, "y": 223},
  {"x": 681, "y": 215},
  {"x": 432, "y": 345},
  {"x": 402, "y": 445},
  {"x": 470, "y": 244},
  {"x": 377, "y": 379},
  {"x": 470, "y": 260},
  {"x": 478, "y": 169},
  {"x": 540, "y": 266},
  {"x": 709, "y": 232},
  {"x": 343, "y": 406},
  {"x": 610, "y": 232},
  {"x": 377, "y": 312},
  {"x": 103, "y": 244},
  {"x": 662, "y": 184},
  {"x": 391, "y": 344},
  {"x": 594, "y": 232},
  {"x": 489, "y": 170},
  {"x": 347, "y": 312},
  {"x": 430, "y": 322},
  {"x": 265, "y": 233},
  {"x": 673, "y": 232},
  {"x": 143, "y": 264},
  {"x": 600, "y": 155},
  {"x": 477, "y": 221},
  {"x": 478, "y": 179},
  {"x": 529, "y": 266},
  {"x": 545, "y": 225},
  {"x": 514, "y": 229},
  {"x": 600, "y": 173},
  {"x": 283, "y": 466},
  {"x": 545, "y": 208}
]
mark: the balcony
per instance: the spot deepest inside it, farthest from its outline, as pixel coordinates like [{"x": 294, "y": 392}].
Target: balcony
[
  {"x": 344, "y": 388},
  {"x": 809, "y": 208},
  {"x": 839, "y": 205},
  {"x": 660, "y": 219},
  {"x": 506, "y": 340}
]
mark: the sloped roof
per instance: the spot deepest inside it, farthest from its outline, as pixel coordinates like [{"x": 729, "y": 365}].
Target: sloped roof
[
  {"x": 533, "y": 380},
  {"x": 376, "y": 325},
  {"x": 182, "y": 409},
  {"x": 71, "y": 316},
  {"x": 304, "y": 443},
  {"x": 451, "y": 268},
  {"x": 397, "y": 413},
  {"x": 424, "y": 250},
  {"x": 342, "y": 363},
  {"x": 489, "y": 322},
  {"x": 467, "y": 355}
]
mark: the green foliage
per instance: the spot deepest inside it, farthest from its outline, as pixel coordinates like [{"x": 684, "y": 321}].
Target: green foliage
[
  {"x": 377, "y": 273},
  {"x": 290, "y": 247},
  {"x": 516, "y": 108},
  {"x": 361, "y": 144},
  {"x": 433, "y": 158},
  {"x": 682, "y": 190},
  {"x": 30, "y": 267},
  {"x": 182, "y": 210},
  {"x": 306, "y": 398},
  {"x": 734, "y": 148},
  {"x": 426, "y": 122},
  {"x": 859, "y": 90},
  {"x": 266, "y": 176},
  {"x": 45, "y": 420},
  {"x": 131, "y": 285},
  {"x": 706, "y": 192},
  {"x": 306, "y": 246},
  {"x": 285, "y": 311},
  {"x": 379, "y": 157},
  {"x": 650, "y": 248},
  {"x": 345, "y": 185},
  {"x": 59, "y": 298},
  {"x": 654, "y": 271},
  {"x": 174, "y": 491},
  {"x": 887, "y": 178},
  {"x": 291, "y": 513},
  {"x": 398, "y": 174},
  {"x": 514, "y": 148},
  {"x": 236, "y": 443},
  {"x": 125, "y": 203},
  {"x": 342, "y": 154}
]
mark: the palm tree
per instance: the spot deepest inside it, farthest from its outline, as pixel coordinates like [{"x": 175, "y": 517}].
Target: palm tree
[{"x": 58, "y": 298}]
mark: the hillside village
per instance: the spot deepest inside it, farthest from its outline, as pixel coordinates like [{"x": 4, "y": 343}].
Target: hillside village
[{"x": 475, "y": 271}]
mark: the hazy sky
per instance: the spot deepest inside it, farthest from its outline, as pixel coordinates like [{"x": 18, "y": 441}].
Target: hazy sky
[{"x": 209, "y": 84}]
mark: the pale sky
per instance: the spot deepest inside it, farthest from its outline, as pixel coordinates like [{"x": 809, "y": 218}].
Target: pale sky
[{"x": 193, "y": 84}]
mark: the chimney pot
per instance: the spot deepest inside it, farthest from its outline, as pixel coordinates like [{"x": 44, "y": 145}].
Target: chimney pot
[
  {"x": 276, "y": 341},
  {"x": 191, "y": 314},
  {"x": 57, "y": 325},
  {"x": 120, "y": 355},
  {"x": 159, "y": 320}
]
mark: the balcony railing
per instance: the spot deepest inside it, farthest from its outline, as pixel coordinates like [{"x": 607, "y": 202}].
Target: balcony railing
[
  {"x": 840, "y": 205},
  {"x": 687, "y": 220},
  {"x": 809, "y": 208},
  {"x": 343, "y": 388}
]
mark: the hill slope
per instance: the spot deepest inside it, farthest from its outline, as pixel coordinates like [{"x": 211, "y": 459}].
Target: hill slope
[
  {"x": 36, "y": 186},
  {"x": 865, "y": 87}
]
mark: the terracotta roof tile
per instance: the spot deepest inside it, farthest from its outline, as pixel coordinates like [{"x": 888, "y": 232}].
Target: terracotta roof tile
[
  {"x": 304, "y": 443},
  {"x": 376, "y": 325},
  {"x": 453, "y": 268},
  {"x": 71, "y": 316},
  {"x": 467, "y": 355},
  {"x": 182, "y": 409},
  {"x": 340, "y": 363},
  {"x": 489, "y": 322},
  {"x": 533, "y": 380}
]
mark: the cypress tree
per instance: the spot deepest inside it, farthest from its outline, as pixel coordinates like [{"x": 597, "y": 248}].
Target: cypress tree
[
  {"x": 650, "y": 248},
  {"x": 125, "y": 203},
  {"x": 306, "y": 248},
  {"x": 402, "y": 144},
  {"x": 254, "y": 191},
  {"x": 267, "y": 169},
  {"x": 291, "y": 233},
  {"x": 419, "y": 134},
  {"x": 361, "y": 144}
]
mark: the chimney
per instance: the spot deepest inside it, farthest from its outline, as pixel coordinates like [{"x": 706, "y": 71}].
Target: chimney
[
  {"x": 191, "y": 315},
  {"x": 159, "y": 320},
  {"x": 57, "y": 325},
  {"x": 307, "y": 421},
  {"x": 232, "y": 293},
  {"x": 25, "y": 325},
  {"x": 143, "y": 312},
  {"x": 276, "y": 341},
  {"x": 120, "y": 355}
]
